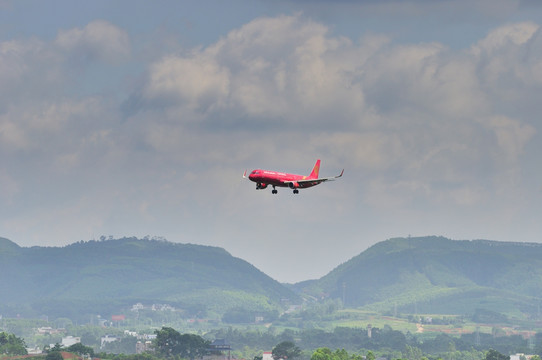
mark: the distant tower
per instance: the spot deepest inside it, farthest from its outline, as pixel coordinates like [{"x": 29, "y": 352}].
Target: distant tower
[
  {"x": 477, "y": 336},
  {"x": 344, "y": 293},
  {"x": 369, "y": 331}
]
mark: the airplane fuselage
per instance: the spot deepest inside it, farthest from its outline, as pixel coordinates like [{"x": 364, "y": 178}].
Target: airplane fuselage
[
  {"x": 275, "y": 178},
  {"x": 264, "y": 178}
]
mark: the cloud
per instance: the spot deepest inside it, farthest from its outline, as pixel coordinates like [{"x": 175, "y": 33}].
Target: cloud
[
  {"x": 508, "y": 35},
  {"x": 418, "y": 113},
  {"x": 422, "y": 129},
  {"x": 272, "y": 70},
  {"x": 29, "y": 68},
  {"x": 512, "y": 136},
  {"x": 196, "y": 82},
  {"x": 99, "y": 40}
]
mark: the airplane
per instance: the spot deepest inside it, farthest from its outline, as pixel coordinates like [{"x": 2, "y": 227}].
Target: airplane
[{"x": 264, "y": 178}]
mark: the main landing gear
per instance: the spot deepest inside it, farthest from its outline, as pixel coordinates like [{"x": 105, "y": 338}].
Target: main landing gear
[{"x": 275, "y": 191}]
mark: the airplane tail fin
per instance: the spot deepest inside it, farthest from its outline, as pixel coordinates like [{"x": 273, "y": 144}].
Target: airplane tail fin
[{"x": 315, "y": 170}]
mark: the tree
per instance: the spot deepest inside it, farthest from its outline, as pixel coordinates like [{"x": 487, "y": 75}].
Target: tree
[
  {"x": 193, "y": 346},
  {"x": 495, "y": 355},
  {"x": 80, "y": 349},
  {"x": 286, "y": 350},
  {"x": 341, "y": 354},
  {"x": 56, "y": 348},
  {"x": 12, "y": 345},
  {"x": 126, "y": 345},
  {"x": 412, "y": 353},
  {"x": 322, "y": 353},
  {"x": 167, "y": 341},
  {"x": 170, "y": 343}
]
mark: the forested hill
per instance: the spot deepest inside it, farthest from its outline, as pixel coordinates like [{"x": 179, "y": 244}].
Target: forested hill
[
  {"x": 438, "y": 275},
  {"x": 103, "y": 276},
  {"x": 431, "y": 275}
]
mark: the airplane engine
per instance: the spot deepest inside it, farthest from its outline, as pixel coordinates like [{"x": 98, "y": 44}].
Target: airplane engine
[
  {"x": 260, "y": 186},
  {"x": 293, "y": 185}
]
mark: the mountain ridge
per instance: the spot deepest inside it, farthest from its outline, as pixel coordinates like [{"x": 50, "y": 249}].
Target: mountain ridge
[
  {"x": 430, "y": 274},
  {"x": 435, "y": 273},
  {"x": 130, "y": 270}
]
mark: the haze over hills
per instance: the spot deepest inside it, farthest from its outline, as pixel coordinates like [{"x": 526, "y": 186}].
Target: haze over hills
[
  {"x": 103, "y": 276},
  {"x": 407, "y": 275},
  {"x": 439, "y": 275}
]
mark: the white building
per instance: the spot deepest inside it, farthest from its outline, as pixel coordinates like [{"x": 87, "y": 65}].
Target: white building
[
  {"x": 520, "y": 356},
  {"x": 267, "y": 355},
  {"x": 70, "y": 340},
  {"x": 107, "y": 339},
  {"x": 142, "y": 347}
]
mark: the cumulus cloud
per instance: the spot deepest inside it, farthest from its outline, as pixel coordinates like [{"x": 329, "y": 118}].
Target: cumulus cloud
[
  {"x": 421, "y": 113},
  {"x": 99, "y": 40},
  {"x": 29, "y": 68},
  {"x": 196, "y": 82},
  {"x": 417, "y": 126},
  {"x": 512, "y": 136},
  {"x": 271, "y": 70}
]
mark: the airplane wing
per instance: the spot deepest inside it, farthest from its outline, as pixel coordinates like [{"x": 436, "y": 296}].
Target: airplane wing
[{"x": 316, "y": 181}]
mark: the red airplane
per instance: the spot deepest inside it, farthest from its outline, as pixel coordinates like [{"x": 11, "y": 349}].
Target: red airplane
[{"x": 263, "y": 178}]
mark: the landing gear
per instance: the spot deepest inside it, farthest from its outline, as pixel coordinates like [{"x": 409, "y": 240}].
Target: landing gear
[
  {"x": 296, "y": 191},
  {"x": 274, "y": 191}
]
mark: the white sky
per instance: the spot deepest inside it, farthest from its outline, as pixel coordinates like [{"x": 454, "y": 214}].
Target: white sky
[{"x": 134, "y": 118}]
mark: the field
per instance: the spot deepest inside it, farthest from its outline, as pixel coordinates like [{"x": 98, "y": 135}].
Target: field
[{"x": 430, "y": 324}]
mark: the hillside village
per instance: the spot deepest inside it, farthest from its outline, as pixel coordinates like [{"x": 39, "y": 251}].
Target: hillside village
[{"x": 143, "y": 343}]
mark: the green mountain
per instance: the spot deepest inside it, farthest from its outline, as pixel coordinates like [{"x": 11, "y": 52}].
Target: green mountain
[
  {"x": 438, "y": 275},
  {"x": 429, "y": 275},
  {"x": 100, "y": 277}
]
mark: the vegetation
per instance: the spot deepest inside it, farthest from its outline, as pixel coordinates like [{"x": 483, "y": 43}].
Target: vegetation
[
  {"x": 491, "y": 280},
  {"x": 108, "y": 276},
  {"x": 435, "y": 275},
  {"x": 340, "y": 344},
  {"x": 11, "y": 344},
  {"x": 286, "y": 350},
  {"x": 417, "y": 299},
  {"x": 170, "y": 343}
]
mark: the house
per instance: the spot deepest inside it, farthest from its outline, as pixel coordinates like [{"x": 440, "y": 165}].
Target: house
[
  {"x": 142, "y": 347},
  {"x": 70, "y": 340},
  {"x": 520, "y": 356},
  {"x": 107, "y": 339},
  {"x": 49, "y": 330}
]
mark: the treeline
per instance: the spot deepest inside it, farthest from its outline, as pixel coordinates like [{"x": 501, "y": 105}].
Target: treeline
[
  {"x": 385, "y": 340},
  {"x": 308, "y": 345}
]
